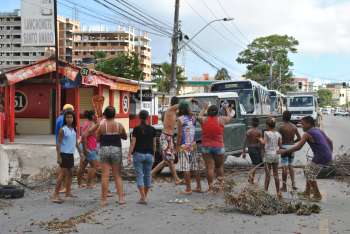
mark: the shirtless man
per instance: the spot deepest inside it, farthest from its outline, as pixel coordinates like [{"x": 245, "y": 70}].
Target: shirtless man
[
  {"x": 167, "y": 140},
  {"x": 288, "y": 132},
  {"x": 254, "y": 146}
]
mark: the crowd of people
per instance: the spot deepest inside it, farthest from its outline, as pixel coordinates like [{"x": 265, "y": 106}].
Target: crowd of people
[
  {"x": 272, "y": 146},
  {"x": 100, "y": 146}
]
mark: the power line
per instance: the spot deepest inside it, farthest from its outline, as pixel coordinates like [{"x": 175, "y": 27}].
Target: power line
[
  {"x": 233, "y": 22},
  {"x": 213, "y": 28},
  {"x": 202, "y": 58},
  {"x": 227, "y": 29},
  {"x": 143, "y": 13},
  {"x": 105, "y": 19},
  {"x": 228, "y": 66},
  {"x": 119, "y": 11}
]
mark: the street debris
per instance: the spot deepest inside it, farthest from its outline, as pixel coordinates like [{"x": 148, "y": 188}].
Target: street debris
[
  {"x": 342, "y": 162},
  {"x": 179, "y": 201},
  {"x": 251, "y": 199},
  {"x": 4, "y": 204},
  {"x": 68, "y": 225}
]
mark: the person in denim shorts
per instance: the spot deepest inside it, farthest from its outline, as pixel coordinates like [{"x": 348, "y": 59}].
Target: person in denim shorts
[
  {"x": 89, "y": 148},
  {"x": 142, "y": 148},
  {"x": 213, "y": 147}
]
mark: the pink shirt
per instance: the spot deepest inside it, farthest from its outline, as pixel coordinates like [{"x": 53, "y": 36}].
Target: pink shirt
[{"x": 91, "y": 139}]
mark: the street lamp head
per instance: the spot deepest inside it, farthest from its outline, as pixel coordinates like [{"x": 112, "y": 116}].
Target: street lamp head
[{"x": 228, "y": 19}]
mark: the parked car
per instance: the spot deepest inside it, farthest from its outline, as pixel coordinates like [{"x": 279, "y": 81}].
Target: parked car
[{"x": 341, "y": 113}]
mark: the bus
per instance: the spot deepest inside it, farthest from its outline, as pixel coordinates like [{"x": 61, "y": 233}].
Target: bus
[
  {"x": 253, "y": 96},
  {"x": 277, "y": 102}
]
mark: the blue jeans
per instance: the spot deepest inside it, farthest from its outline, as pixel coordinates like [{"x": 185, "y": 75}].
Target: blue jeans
[{"x": 143, "y": 167}]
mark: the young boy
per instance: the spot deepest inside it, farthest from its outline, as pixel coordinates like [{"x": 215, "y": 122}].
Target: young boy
[
  {"x": 254, "y": 146},
  {"x": 322, "y": 148},
  {"x": 288, "y": 132},
  {"x": 272, "y": 142}
]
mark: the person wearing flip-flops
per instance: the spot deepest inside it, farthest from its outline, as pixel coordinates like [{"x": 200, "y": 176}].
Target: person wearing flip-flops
[
  {"x": 187, "y": 148},
  {"x": 142, "y": 149},
  {"x": 67, "y": 142}
]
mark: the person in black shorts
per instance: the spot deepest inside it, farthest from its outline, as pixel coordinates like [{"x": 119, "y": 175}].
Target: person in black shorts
[
  {"x": 254, "y": 146},
  {"x": 67, "y": 142}
]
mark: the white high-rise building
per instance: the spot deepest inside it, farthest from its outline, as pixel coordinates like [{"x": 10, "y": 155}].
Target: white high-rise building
[{"x": 12, "y": 54}]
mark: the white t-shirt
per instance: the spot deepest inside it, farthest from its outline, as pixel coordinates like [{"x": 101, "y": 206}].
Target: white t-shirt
[{"x": 271, "y": 144}]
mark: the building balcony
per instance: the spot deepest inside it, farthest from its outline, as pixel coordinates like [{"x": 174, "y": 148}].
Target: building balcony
[
  {"x": 11, "y": 41},
  {"x": 10, "y": 32},
  {"x": 10, "y": 23},
  {"x": 101, "y": 48},
  {"x": 97, "y": 40}
]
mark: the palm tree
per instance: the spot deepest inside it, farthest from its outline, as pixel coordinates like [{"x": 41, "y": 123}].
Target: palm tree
[
  {"x": 163, "y": 74},
  {"x": 222, "y": 74}
]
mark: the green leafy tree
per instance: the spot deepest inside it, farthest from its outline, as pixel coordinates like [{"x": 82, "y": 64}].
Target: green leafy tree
[
  {"x": 325, "y": 97},
  {"x": 222, "y": 74},
  {"x": 270, "y": 50},
  {"x": 123, "y": 65},
  {"x": 163, "y": 74},
  {"x": 100, "y": 55}
]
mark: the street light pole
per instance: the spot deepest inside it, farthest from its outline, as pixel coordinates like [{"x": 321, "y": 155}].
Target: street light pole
[
  {"x": 204, "y": 27},
  {"x": 175, "y": 49}
]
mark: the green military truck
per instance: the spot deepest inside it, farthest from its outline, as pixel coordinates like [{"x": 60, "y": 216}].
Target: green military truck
[{"x": 234, "y": 133}]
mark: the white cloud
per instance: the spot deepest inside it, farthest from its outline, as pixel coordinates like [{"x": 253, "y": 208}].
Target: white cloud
[{"x": 321, "y": 26}]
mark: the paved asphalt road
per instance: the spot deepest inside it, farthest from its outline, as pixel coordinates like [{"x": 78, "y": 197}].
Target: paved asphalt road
[{"x": 162, "y": 217}]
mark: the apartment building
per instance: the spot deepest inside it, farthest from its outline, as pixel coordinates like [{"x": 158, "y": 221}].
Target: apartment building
[
  {"x": 66, "y": 28},
  {"x": 123, "y": 40},
  {"x": 340, "y": 93},
  {"x": 12, "y": 54}
]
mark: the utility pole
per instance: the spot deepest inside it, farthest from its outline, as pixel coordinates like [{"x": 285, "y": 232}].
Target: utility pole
[
  {"x": 57, "y": 78},
  {"x": 175, "y": 44}
]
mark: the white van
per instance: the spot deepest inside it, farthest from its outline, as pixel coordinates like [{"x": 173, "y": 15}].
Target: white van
[{"x": 302, "y": 104}]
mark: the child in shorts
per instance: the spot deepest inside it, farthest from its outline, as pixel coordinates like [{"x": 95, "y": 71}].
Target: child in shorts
[{"x": 272, "y": 142}]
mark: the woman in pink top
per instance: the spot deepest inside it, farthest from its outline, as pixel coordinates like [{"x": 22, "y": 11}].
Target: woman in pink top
[
  {"x": 213, "y": 148},
  {"x": 89, "y": 147}
]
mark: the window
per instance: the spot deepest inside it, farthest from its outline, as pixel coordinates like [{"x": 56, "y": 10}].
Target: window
[
  {"x": 300, "y": 85},
  {"x": 103, "y": 44},
  {"x": 34, "y": 53},
  {"x": 17, "y": 54},
  {"x": 8, "y": 36},
  {"x": 76, "y": 53},
  {"x": 25, "y": 54},
  {"x": 93, "y": 43},
  {"x": 8, "y": 28}
]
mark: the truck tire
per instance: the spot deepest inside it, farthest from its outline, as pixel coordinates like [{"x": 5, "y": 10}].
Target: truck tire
[{"x": 11, "y": 191}]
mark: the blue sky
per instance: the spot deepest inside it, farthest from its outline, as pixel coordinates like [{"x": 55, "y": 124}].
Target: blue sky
[{"x": 321, "y": 26}]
